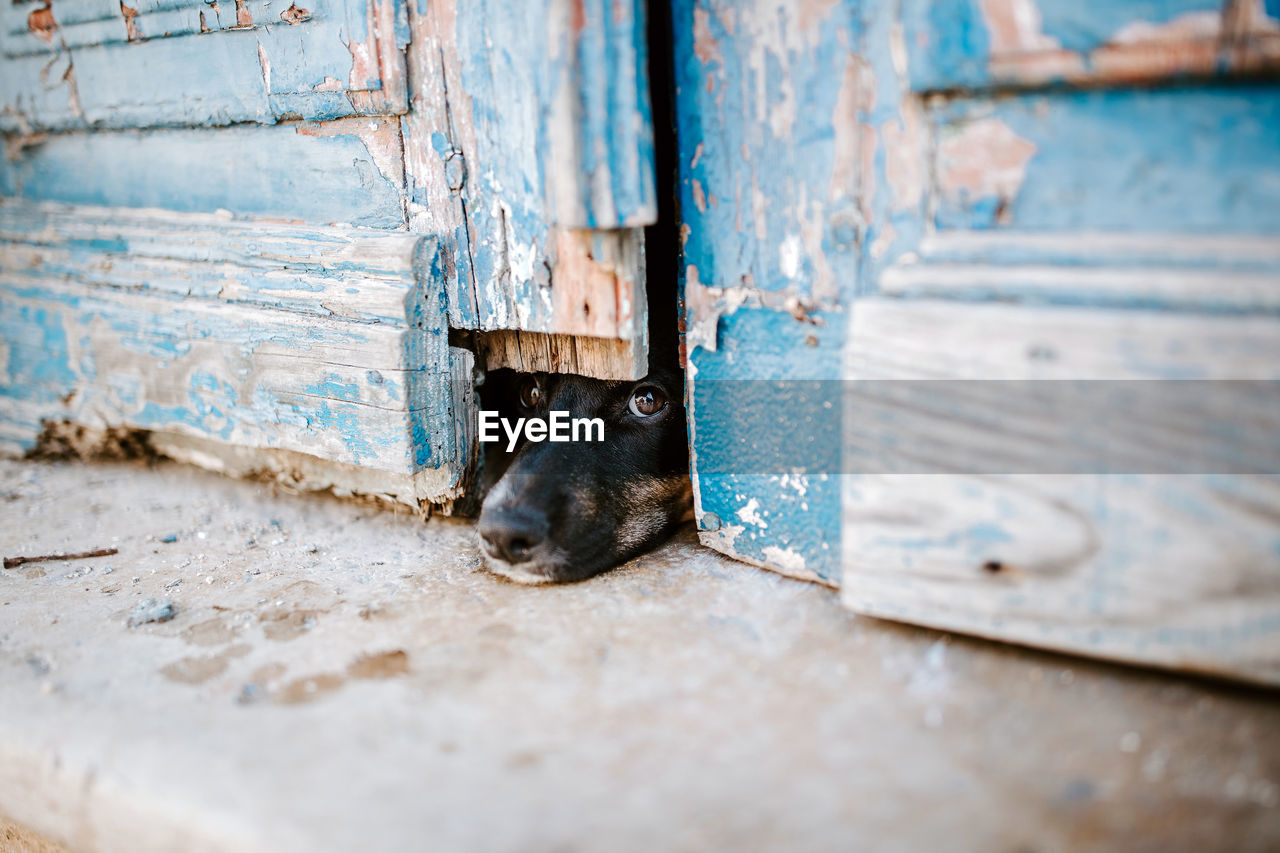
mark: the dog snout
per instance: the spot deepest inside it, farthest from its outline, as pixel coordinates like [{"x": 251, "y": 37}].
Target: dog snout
[{"x": 512, "y": 535}]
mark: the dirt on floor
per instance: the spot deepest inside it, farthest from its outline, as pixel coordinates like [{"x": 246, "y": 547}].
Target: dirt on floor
[{"x": 255, "y": 670}]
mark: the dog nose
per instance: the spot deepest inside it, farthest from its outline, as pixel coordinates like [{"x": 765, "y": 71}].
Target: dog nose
[{"x": 512, "y": 536}]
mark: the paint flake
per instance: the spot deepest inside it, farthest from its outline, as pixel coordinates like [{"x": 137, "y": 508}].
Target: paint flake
[
  {"x": 784, "y": 558},
  {"x": 295, "y": 15},
  {"x": 751, "y": 514},
  {"x": 40, "y": 23},
  {"x": 983, "y": 159}
]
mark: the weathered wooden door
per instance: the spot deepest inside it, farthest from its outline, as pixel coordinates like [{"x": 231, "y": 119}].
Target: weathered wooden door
[
  {"x": 1025, "y": 257},
  {"x": 250, "y": 228},
  {"x": 530, "y": 151}
]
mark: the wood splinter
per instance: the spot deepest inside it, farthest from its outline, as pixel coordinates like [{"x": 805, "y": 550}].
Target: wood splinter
[{"x": 13, "y": 562}]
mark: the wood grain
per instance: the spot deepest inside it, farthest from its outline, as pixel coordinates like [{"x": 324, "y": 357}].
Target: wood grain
[
  {"x": 530, "y": 352},
  {"x": 1180, "y": 571}
]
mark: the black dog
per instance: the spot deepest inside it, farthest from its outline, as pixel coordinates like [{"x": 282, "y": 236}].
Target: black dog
[{"x": 565, "y": 511}]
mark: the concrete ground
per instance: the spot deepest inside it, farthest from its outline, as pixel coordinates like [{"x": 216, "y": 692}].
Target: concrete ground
[{"x": 338, "y": 677}]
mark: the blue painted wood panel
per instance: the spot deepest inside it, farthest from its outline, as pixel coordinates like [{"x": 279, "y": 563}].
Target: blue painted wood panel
[
  {"x": 108, "y": 64},
  {"x": 530, "y": 148},
  {"x": 329, "y": 342},
  {"x": 557, "y": 101},
  {"x": 915, "y": 155},
  {"x": 981, "y": 43},
  {"x": 1147, "y": 534},
  {"x": 349, "y": 171},
  {"x": 1203, "y": 160},
  {"x": 769, "y": 178},
  {"x": 771, "y": 229},
  {"x": 765, "y": 410}
]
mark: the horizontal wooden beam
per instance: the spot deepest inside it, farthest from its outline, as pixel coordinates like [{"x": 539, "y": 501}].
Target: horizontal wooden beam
[{"x": 530, "y": 352}]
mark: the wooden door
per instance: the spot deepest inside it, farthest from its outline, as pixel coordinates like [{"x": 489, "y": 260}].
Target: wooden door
[
  {"x": 229, "y": 226},
  {"x": 1094, "y": 211},
  {"x": 945, "y": 219},
  {"x": 530, "y": 151}
]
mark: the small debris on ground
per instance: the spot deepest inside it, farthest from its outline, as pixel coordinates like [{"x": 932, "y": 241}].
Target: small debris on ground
[
  {"x": 14, "y": 562},
  {"x": 152, "y": 610},
  {"x": 169, "y": 538},
  {"x": 39, "y": 666},
  {"x": 249, "y": 694}
]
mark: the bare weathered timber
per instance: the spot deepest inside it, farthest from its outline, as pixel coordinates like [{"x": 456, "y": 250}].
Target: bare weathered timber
[{"x": 602, "y": 358}]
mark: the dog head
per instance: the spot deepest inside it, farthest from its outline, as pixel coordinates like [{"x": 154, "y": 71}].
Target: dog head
[{"x": 564, "y": 511}]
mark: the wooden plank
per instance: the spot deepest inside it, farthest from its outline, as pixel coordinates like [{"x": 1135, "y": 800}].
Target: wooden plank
[
  {"x": 1175, "y": 572},
  {"x": 215, "y": 343},
  {"x": 272, "y": 63},
  {"x": 1102, "y": 249},
  {"x": 435, "y": 166},
  {"x": 1185, "y": 271},
  {"x": 532, "y": 352},
  {"x": 348, "y": 171},
  {"x": 1028, "y": 43},
  {"x": 1159, "y": 287},
  {"x": 302, "y": 269},
  {"x": 246, "y": 375},
  {"x": 556, "y": 126},
  {"x": 425, "y": 489},
  {"x": 752, "y": 499},
  {"x": 939, "y": 340},
  {"x": 771, "y": 174},
  {"x": 1180, "y": 571}
]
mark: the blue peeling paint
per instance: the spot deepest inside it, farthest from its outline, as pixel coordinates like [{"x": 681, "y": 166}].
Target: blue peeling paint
[
  {"x": 1089, "y": 24},
  {"x": 265, "y": 73},
  {"x": 749, "y": 193},
  {"x": 334, "y": 387},
  {"x": 949, "y": 43},
  {"x": 1178, "y": 160},
  {"x": 252, "y": 171},
  {"x": 563, "y": 136},
  {"x": 744, "y": 450},
  {"x": 234, "y": 406},
  {"x": 39, "y": 362},
  {"x": 950, "y": 47}
]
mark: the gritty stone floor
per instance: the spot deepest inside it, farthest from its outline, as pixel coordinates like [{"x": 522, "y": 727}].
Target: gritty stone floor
[{"x": 338, "y": 677}]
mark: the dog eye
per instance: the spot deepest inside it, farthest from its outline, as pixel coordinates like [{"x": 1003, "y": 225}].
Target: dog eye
[
  {"x": 647, "y": 401},
  {"x": 531, "y": 393}
]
